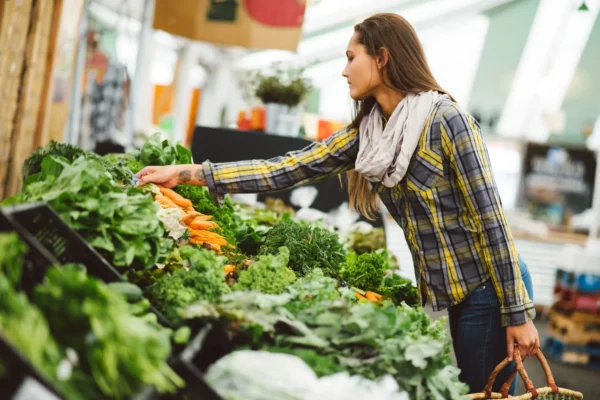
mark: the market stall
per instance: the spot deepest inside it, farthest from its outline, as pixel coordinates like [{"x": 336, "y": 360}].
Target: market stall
[{"x": 215, "y": 292}]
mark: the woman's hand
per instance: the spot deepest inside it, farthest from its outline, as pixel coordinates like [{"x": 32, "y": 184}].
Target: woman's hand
[
  {"x": 526, "y": 336},
  {"x": 172, "y": 175}
]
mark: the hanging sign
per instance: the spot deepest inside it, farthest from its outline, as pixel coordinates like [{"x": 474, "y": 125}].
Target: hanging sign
[
  {"x": 272, "y": 24},
  {"x": 558, "y": 182}
]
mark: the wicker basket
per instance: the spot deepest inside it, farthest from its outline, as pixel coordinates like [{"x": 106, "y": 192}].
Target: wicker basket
[{"x": 549, "y": 392}]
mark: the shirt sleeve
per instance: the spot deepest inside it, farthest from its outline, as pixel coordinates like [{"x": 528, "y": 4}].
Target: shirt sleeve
[
  {"x": 470, "y": 161},
  {"x": 317, "y": 161}
]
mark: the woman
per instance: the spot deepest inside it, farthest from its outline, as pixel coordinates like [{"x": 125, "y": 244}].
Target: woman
[{"x": 415, "y": 148}]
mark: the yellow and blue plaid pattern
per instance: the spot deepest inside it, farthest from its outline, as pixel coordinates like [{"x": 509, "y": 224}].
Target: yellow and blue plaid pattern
[{"x": 447, "y": 204}]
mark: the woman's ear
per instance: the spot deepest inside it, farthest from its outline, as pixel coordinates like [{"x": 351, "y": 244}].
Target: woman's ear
[{"x": 383, "y": 57}]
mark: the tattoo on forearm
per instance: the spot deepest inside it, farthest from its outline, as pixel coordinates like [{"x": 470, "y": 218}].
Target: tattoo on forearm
[
  {"x": 199, "y": 175},
  {"x": 185, "y": 175}
]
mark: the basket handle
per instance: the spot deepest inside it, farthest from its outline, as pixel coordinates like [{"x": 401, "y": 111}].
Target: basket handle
[{"x": 521, "y": 370}]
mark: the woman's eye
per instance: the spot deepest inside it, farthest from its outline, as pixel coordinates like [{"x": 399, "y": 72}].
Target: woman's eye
[{"x": 350, "y": 59}]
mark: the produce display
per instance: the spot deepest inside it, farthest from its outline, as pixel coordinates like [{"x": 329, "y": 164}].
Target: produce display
[
  {"x": 281, "y": 288},
  {"x": 85, "y": 337}
]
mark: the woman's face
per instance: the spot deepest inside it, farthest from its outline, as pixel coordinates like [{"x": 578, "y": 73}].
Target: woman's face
[{"x": 361, "y": 70}]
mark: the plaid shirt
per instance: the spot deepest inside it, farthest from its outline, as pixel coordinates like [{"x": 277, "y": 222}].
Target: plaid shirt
[{"x": 447, "y": 204}]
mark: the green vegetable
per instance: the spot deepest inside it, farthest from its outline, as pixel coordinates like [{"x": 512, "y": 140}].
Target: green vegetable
[
  {"x": 310, "y": 247},
  {"x": 131, "y": 292},
  {"x": 122, "y": 352},
  {"x": 33, "y": 164},
  {"x": 366, "y": 242},
  {"x": 11, "y": 257},
  {"x": 129, "y": 160},
  {"x": 182, "y": 335},
  {"x": 399, "y": 289},
  {"x": 365, "y": 271},
  {"x": 322, "y": 365},
  {"x": 121, "y": 225},
  {"x": 159, "y": 151},
  {"x": 205, "y": 280},
  {"x": 368, "y": 339},
  {"x": 25, "y": 327},
  {"x": 269, "y": 274}
]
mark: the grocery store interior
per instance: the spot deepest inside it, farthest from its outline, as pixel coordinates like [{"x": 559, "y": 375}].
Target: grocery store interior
[{"x": 142, "y": 256}]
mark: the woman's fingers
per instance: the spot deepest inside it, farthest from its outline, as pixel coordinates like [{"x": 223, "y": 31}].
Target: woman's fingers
[{"x": 145, "y": 171}]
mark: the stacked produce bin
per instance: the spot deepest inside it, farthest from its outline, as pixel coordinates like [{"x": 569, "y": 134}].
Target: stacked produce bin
[{"x": 574, "y": 322}]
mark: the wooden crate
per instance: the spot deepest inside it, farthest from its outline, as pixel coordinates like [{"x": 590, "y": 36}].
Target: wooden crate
[
  {"x": 575, "y": 331},
  {"x": 30, "y": 99},
  {"x": 15, "y": 24}
]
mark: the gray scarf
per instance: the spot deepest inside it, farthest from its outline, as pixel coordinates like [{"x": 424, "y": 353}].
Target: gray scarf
[{"x": 384, "y": 153}]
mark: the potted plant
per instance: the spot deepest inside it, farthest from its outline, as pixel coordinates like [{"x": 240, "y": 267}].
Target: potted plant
[{"x": 282, "y": 92}]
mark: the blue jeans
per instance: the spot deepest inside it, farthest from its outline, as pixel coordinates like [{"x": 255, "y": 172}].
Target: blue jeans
[{"x": 478, "y": 337}]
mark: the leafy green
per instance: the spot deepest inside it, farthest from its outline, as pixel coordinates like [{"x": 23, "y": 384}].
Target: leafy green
[
  {"x": 123, "y": 352},
  {"x": 365, "y": 271},
  {"x": 121, "y": 225},
  {"x": 269, "y": 274},
  {"x": 368, "y": 339},
  {"x": 399, "y": 289},
  {"x": 205, "y": 280},
  {"x": 11, "y": 257},
  {"x": 128, "y": 160},
  {"x": 25, "y": 327},
  {"x": 321, "y": 364},
  {"x": 33, "y": 164},
  {"x": 159, "y": 151},
  {"x": 182, "y": 335},
  {"x": 366, "y": 242},
  {"x": 310, "y": 247}
]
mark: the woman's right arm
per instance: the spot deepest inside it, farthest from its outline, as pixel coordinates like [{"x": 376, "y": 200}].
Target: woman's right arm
[{"x": 315, "y": 162}]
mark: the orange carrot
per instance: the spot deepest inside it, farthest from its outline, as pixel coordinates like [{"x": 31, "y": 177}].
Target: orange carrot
[
  {"x": 188, "y": 217},
  {"x": 372, "y": 296},
  {"x": 202, "y": 225},
  {"x": 176, "y": 197},
  {"x": 229, "y": 268},
  {"x": 168, "y": 202},
  {"x": 359, "y": 296}
]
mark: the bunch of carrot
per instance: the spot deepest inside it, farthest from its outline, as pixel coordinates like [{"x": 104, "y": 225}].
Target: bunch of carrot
[
  {"x": 371, "y": 296},
  {"x": 198, "y": 224}
]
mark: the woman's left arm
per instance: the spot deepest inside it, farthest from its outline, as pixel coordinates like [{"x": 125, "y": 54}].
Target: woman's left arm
[{"x": 462, "y": 141}]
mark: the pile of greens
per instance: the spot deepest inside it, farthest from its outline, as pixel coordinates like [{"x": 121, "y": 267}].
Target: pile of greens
[
  {"x": 130, "y": 160},
  {"x": 121, "y": 351},
  {"x": 363, "y": 338},
  {"x": 399, "y": 290},
  {"x": 204, "y": 280},
  {"x": 121, "y": 225},
  {"x": 365, "y": 242},
  {"x": 119, "y": 173},
  {"x": 365, "y": 271},
  {"x": 159, "y": 151},
  {"x": 25, "y": 327},
  {"x": 269, "y": 274},
  {"x": 310, "y": 247},
  {"x": 11, "y": 257},
  {"x": 89, "y": 339}
]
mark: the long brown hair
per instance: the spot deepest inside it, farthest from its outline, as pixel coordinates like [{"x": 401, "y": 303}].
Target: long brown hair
[{"x": 407, "y": 71}]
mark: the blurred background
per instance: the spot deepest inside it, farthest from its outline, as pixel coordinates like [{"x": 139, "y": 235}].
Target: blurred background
[{"x": 235, "y": 79}]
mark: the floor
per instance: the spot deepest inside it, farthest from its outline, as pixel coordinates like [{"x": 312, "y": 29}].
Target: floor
[{"x": 584, "y": 380}]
